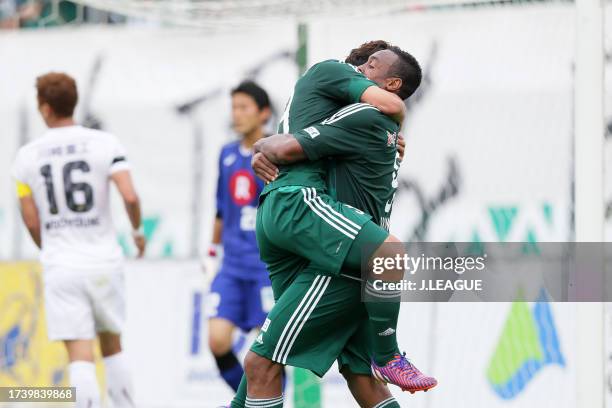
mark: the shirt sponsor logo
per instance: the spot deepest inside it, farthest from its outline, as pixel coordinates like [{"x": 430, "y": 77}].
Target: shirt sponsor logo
[
  {"x": 312, "y": 131},
  {"x": 242, "y": 187}
]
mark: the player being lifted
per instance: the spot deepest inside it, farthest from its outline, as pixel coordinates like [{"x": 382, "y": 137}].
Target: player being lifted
[
  {"x": 240, "y": 295},
  {"x": 329, "y": 236},
  {"x": 63, "y": 182}
]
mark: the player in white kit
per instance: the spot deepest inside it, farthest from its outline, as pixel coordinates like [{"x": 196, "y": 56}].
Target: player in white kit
[{"x": 63, "y": 182}]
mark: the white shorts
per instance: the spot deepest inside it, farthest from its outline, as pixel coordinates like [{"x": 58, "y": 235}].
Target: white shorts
[{"x": 80, "y": 305}]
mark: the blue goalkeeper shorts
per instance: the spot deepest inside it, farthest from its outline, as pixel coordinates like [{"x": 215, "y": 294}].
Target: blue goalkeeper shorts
[{"x": 244, "y": 302}]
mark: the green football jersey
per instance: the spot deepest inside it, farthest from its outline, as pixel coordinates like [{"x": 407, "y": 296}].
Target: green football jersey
[
  {"x": 321, "y": 91},
  {"x": 363, "y": 143}
]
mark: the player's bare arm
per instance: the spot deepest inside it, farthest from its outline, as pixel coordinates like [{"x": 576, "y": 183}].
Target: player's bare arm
[
  {"x": 281, "y": 149},
  {"x": 29, "y": 212},
  {"x": 285, "y": 149},
  {"x": 123, "y": 181},
  {"x": 217, "y": 230},
  {"x": 388, "y": 103},
  {"x": 264, "y": 168},
  {"x": 274, "y": 150},
  {"x": 211, "y": 254}
]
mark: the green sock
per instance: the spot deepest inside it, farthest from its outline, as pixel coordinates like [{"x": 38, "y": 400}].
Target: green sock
[
  {"x": 276, "y": 402},
  {"x": 383, "y": 322},
  {"x": 388, "y": 403},
  {"x": 241, "y": 394}
]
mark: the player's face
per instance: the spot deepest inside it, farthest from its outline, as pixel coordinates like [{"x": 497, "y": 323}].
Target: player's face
[
  {"x": 246, "y": 116},
  {"x": 378, "y": 65}
]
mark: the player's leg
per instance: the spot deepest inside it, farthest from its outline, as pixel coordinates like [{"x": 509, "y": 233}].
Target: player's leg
[
  {"x": 283, "y": 268},
  {"x": 292, "y": 334},
  {"x": 264, "y": 379},
  {"x": 70, "y": 319},
  {"x": 356, "y": 358},
  {"x": 333, "y": 235},
  {"x": 336, "y": 236},
  {"x": 263, "y": 375},
  {"x": 384, "y": 310},
  {"x": 226, "y": 308},
  {"x": 354, "y": 364},
  {"x": 368, "y": 392},
  {"x": 82, "y": 373},
  {"x": 117, "y": 370},
  {"x": 260, "y": 301},
  {"x": 220, "y": 342},
  {"x": 107, "y": 294}
]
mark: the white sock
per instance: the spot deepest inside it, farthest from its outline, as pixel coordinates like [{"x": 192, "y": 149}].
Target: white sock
[
  {"x": 83, "y": 377},
  {"x": 118, "y": 381}
]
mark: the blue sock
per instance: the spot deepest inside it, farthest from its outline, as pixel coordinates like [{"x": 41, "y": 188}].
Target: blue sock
[{"x": 230, "y": 369}]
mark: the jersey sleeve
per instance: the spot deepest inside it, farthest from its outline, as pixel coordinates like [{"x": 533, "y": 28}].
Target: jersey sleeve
[
  {"x": 23, "y": 190},
  {"x": 340, "y": 81},
  {"x": 344, "y": 135},
  {"x": 19, "y": 170},
  {"x": 118, "y": 159}
]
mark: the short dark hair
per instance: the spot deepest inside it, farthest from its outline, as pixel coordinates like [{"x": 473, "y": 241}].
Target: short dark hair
[
  {"x": 408, "y": 69},
  {"x": 59, "y": 91},
  {"x": 360, "y": 55},
  {"x": 259, "y": 95}
]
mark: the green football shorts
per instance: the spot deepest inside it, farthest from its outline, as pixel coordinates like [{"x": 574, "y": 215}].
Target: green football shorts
[
  {"x": 299, "y": 227},
  {"x": 317, "y": 320}
]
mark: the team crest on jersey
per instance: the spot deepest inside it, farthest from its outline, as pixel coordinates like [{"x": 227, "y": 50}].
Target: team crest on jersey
[
  {"x": 242, "y": 187},
  {"x": 391, "y": 138}
]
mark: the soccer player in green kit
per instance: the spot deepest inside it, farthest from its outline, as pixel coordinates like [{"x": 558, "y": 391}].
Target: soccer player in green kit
[{"x": 300, "y": 196}]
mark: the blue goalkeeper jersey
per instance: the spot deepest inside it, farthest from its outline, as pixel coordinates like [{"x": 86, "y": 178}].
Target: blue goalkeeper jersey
[{"x": 238, "y": 192}]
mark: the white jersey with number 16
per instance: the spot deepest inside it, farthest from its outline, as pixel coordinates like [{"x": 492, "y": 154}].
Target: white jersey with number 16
[{"x": 68, "y": 171}]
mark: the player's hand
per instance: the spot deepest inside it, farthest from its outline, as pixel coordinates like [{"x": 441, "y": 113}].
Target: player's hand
[
  {"x": 264, "y": 168},
  {"x": 140, "y": 242},
  {"x": 401, "y": 145},
  {"x": 210, "y": 262}
]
